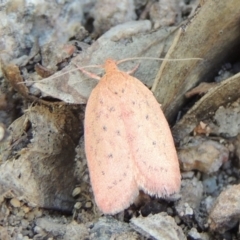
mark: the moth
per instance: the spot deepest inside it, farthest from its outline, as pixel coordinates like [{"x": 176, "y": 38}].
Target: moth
[{"x": 128, "y": 142}]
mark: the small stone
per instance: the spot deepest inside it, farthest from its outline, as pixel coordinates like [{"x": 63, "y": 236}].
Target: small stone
[
  {"x": 25, "y": 238},
  {"x": 78, "y": 205},
  {"x": 107, "y": 14},
  {"x": 19, "y": 236},
  {"x": 204, "y": 155},
  {"x": 15, "y": 202},
  {"x": 188, "y": 211},
  {"x": 188, "y": 175},
  {"x": 88, "y": 205},
  {"x": 25, "y": 209},
  {"x": 210, "y": 184},
  {"x": 158, "y": 226},
  {"x": 169, "y": 211},
  {"x": 24, "y": 223},
  {"x": 76, "y": 191},
  {"x": 37, "y": 212},
  {"x": 231, "y": 179},
  {"x": 2, "y": 131},
  {"x": 20, "y": 214},
  {"x": 194, "y": 234},
  {"x": 208, "y": 202},
  {"x": 177, "y": 220},
  {"x": 30, "y": 216},
  {"x": 226, "y": 210},
  {"x": 192, "y": 193},
  {"x": 38, "y": 229}
]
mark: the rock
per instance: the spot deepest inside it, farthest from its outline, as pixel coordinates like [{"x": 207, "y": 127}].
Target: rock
[
  {"x": 187, "y": 175},
  {"x": 78, "y": 205},
  {"x": 225, "y": 213},
  {"x": 163, "y": 13},
  {"x": 203, "y": 155},
  {"x": 76, "y": 191},
  {"x": 35, "y": 23},
  {"x": 60, "y": 230},
  {"x": 46, "y": 157},
  {"x": 228, "y": 119},
  {"x": 210, "y": 184},
  {"x": 191, "y": 191},
  {"x": 76, "y": 231},
  {"x": 208, "y": 203},
  {"x": 193, "y": 234},
  {"x": 237, "y": 150},
  {"x": 3, "y": 233},
  {"x": 159, "y": 226},
  {"x": 15, "y": 202},
  {"x": 108, "y": 13},
  {"x": 107, "y": 227}
]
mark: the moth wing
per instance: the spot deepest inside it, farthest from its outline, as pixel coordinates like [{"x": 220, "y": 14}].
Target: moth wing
[
  {"x": 156, "y": 165},
  {"x": 108, "y": 152}
]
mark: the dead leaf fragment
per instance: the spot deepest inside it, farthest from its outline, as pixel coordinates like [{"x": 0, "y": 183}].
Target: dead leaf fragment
[
  {"x": 12, "y": 74},
  {"x": 43, "y": 71},
  {"x": 202, "y": 129},
  {"x": 213, "y": 35},
  {"x": 201, "y": 89},
  {"x": 46, "y": 156},
  {"x": 226, "y": 92}
]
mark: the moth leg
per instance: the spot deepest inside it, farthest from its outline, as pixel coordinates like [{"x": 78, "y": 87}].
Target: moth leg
[
  {"x": 89, "y": 74},
  {"x": 133, "y": 70}
]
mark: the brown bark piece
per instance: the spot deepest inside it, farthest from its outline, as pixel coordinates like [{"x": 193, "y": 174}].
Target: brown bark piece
[{"x": 214, "y": 28}]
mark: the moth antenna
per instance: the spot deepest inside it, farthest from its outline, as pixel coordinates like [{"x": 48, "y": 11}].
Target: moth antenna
[{"x": 158, "y": 59}]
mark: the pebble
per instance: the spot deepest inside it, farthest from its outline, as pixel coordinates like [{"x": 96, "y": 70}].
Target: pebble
[
  {"x": 187, "y": 175},
  {"x": 177, "y": 220},
  {"x": 30, "y": 216},
  {"x": 20, "y": 214},
  {"x": 231, "y": 179},
  {"x": 208, "y": 202},
  {"x": 19, "y": 237},
  {"x": 15, "y": 202},
  {"x": 24, "y": 223},
  {"x": 192, "y": 192},
  {"x": 159, "y": 226},
  {"x": 106, "y": 227},
  {"x": 107, "y": 14},
  {"x": 88, "y": 205},
  {"x": 210, "y": 184},
  {"x": 194, "y": 234},
  {"x": 78, "y": 205},
  {"x": 204, "y": 155},
  {"x": 38, "y": 229},
  {"x": 25, "y": 209},
  {"x": 188, "y": 211},
  {"x": 76, "y": 191},
  {"x": 227, "y": 119},
  {"x": 26, "y": 238},
  {"x": 225, "y": 213}
]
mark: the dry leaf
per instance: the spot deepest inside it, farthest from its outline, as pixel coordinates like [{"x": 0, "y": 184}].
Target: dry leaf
[
  {"x": 45, "y": 155},
  {"x": 201, "y": 89},
  {"x": 71, "y": 86}
]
